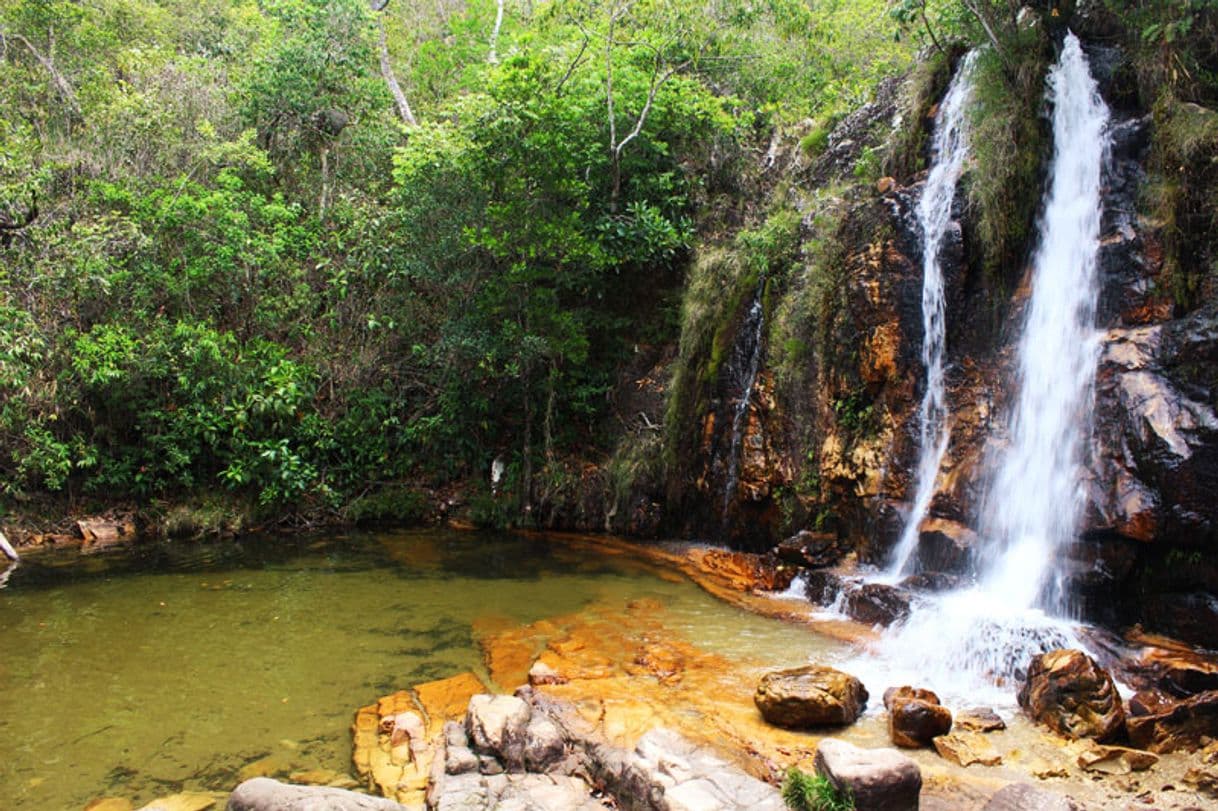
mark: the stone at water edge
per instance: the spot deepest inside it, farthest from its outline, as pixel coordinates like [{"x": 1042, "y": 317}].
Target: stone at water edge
[
  {"x": 1025, "y": 797},
  {"x": 979, "y": 719},
  {"x": 186, "y": 801},
  {"x": 1185, "y": 725},
  {"x": 811, "y": 549},
  {"x": 810, "y": 696},
  {"x": 915, "y": 717},
  {"x": 1068, "y": 692},
  {"x": 265, "y": 794},
  {"x": 877, "y": 604},
  {"x": 965, "y": 749},
  {"x": 1116, "y": 760},
  {"x": 1204, "y": 778},
  {"x": 877, "y": 779},
  {"x": 496, "y": 725}
]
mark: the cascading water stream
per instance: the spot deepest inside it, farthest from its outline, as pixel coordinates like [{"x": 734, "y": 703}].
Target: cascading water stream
[
  {"x": 1035, "y": 502},
  {"x": 960, "y": 643},
  {"x": 754, "y": 322},
  {"x": 949, "y": 150}
]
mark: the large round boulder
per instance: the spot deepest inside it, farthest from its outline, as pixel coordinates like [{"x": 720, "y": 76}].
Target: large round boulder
[
  {"x": 810, "y": 696},
  {"x": 1068, "y": 692}
]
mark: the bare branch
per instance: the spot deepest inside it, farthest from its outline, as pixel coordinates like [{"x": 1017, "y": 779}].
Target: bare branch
[
  {"x": 61, "y": 83},
  {"x": 574, "y": 63}
]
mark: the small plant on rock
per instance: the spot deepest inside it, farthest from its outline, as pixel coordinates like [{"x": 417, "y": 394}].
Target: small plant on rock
[{"x": 813, "y": 792}]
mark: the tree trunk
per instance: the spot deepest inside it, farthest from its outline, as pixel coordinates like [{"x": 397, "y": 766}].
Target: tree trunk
[
  {"x": 399, "y": 98},
  {"x": 493, "y": 56}
]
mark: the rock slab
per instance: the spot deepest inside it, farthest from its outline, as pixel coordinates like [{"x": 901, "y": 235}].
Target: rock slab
[
  {"x": 877, "y": 779},
  {"x": 265, "y": 794},
  {"x": 810, "y": 696},
  {"x": 1025, "y": 797}
]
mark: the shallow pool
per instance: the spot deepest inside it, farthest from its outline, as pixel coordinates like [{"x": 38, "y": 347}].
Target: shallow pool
[{"x": 141, "y": 673}]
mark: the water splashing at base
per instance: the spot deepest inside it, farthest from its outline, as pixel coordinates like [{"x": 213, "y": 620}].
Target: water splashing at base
[{"x": 966, "y": 642}]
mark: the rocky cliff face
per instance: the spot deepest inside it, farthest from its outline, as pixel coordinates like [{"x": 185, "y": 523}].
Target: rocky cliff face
[{"x": 832, "y": 446}]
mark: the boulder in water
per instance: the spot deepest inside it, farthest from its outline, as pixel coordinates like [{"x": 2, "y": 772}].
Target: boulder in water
[
  {"x": 915, "y": 717},
  {"x": 1068, "y": 692},
  {"x": 877, "y": 779},
  {"x": 1185, "y": 725},
  {"x": 810, "y": 696},
  {"x": 877, "y": 604}
]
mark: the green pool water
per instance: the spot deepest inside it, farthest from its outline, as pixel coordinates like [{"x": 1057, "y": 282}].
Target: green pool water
[{"x": 146, "y": 672}]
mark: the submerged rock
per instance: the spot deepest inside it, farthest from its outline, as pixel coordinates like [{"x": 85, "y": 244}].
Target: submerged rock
[
  {"x": 1068, "y": 692},
  {"x": 265, "y": 794},
  {"x": 1185, "y": 725},
  {"x": 877, "y": 779},
  {"x": 810, "y": 696}
]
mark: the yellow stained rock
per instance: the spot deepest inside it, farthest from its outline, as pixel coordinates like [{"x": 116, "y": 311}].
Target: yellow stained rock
[{"x": 187, "y": 801}]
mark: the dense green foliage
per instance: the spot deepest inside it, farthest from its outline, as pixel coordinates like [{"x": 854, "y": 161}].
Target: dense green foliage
[
  {"x": 307, "y": 251},
  {"x": 232, "y": 258}
]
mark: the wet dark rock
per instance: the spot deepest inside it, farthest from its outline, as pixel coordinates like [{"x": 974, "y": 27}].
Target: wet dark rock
[
  {"x": 932, "y": 581},
  {"x": 1190, "y": 616},
  {"x": 809, "y": 697},
  {"x": 265, "y": 794},
  {"x": 823, "y": 588},
  {"x": 1148, "y": 702},
  {"x": 1186, "y": 725},
  {"x": 877, "y": 779},
  {"x": 1157, "y": 432},
  {"x": 945, "y": 546},
  {"x": 1068, "y": 692},
  {"x": 811, "y": 549},
  {"x": 1177, "y": 670},
  {"x": 877, "y": 604}
]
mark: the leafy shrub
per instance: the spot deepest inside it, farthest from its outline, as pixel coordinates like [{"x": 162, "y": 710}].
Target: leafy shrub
[{"x": 813, "y": 792}]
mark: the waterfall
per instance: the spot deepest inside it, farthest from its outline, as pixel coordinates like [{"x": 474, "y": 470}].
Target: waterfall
[
  {"x": 1032, "y": 510},
  {"x": 949, "y": 149},
  {"x": 960, "y": 643},
  {"x": 750, "y": 351}
]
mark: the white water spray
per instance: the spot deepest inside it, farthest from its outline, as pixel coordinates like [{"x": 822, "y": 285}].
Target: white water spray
[
  {"x": 949, "y": 149},
  {"x": 963, "y": 643},
  {"x": 1033, "y": 507}
]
